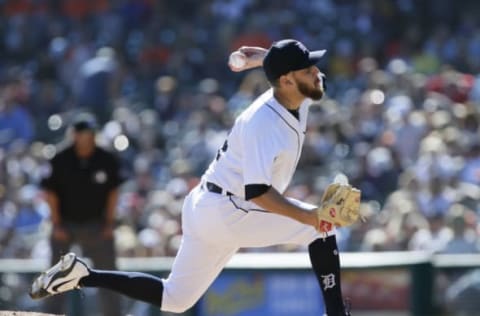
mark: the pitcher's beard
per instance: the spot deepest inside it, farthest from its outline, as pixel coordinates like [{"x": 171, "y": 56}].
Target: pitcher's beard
[{"x": 312, "y": 93}]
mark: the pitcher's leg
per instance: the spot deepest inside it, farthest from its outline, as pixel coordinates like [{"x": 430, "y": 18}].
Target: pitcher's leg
[
  {"x": 196, "y": 266},
  {"x": 102, "y": 253},
  {"x": 140, "y": 286},
  {"x": 272, "y": 229},
  {"x": 263, "y": 229},
  {"x": 325, "y": 261}
]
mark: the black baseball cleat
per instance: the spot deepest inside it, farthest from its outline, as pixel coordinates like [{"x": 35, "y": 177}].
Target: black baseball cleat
[{"x": 63, "y": 276}]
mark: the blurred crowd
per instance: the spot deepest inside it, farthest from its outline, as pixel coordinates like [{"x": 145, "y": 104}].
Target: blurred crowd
[{"x": 401, "y": 118}]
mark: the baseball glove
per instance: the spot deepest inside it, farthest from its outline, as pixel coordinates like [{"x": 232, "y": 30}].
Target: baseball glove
[{"x": 340, "y": 207}]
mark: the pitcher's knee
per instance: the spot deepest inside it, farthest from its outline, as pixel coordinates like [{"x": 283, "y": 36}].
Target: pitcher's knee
[
  {"x": 178, "y": 300},
  {"x": 177, "y": 307}
]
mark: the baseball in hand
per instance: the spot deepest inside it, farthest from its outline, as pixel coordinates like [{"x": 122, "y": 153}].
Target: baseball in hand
[
  {"x": 341, "y": 179},
  {"x": 237, "y": 59}
]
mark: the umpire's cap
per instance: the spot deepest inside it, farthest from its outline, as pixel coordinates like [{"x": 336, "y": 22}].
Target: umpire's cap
[
  {"x": 288, "y": 55},
  {"x": 84, "y": 122}
]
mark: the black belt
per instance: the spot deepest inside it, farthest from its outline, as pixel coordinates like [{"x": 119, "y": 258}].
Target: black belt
[{"x": 212, "y": 187}]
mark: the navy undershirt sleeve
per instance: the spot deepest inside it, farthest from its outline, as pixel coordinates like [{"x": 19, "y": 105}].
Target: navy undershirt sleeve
[{"x": 254, "y": 190}]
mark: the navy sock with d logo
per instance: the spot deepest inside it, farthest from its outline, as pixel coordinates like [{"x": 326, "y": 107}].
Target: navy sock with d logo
[{"x": 325, "y": 261}]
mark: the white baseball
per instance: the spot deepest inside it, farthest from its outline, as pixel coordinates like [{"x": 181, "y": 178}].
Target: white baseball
[
  {"x": 341, "y": 179},
  {"x": 237, "y": 59}
]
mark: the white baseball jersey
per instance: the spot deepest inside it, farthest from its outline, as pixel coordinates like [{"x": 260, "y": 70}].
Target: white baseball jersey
[{"x": 263, "y": 147}]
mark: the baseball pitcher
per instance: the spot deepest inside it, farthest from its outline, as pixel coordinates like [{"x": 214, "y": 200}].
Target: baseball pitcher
[{"x": 240, "y": 201}]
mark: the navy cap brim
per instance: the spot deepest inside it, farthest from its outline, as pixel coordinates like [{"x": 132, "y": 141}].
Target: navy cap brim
[
  {"x": 313, "y": 58},
  {"x": 316, "y": 55}
]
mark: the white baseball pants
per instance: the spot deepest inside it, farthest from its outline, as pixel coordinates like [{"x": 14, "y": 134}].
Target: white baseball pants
[{"x": 214, "y": 228}]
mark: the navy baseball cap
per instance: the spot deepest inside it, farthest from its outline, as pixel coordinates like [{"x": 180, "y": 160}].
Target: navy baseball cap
[
  {"x": 288, "y": 55},
  {"x": 84, "y": 122}
]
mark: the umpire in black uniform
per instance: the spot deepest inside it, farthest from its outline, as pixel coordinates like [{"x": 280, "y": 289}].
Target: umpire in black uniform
[{"x": 82, "y": 192}]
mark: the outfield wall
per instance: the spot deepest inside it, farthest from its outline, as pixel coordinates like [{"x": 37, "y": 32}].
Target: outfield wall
[{"x": 388, "y": 283}]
